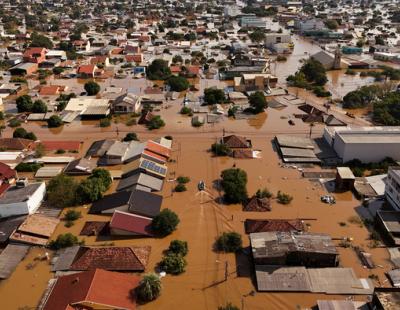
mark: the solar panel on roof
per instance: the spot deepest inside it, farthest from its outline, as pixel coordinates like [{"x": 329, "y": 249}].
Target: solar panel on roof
[{"x": 152, "y": 166}]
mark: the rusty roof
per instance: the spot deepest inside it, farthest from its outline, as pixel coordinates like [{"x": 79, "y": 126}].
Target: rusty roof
[
  {"x": 252, "y": 226},
  {"x": 111, "y": 258},
  {"x": 258, "y": 204},
  {"x": 234, "y": 141}
]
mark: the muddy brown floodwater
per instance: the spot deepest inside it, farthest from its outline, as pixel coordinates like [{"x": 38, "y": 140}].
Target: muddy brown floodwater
[{"x": 202, "y": 220}]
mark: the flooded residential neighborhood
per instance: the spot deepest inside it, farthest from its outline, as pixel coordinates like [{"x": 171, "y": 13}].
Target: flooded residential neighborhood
[{"x": 208, "y": 155}]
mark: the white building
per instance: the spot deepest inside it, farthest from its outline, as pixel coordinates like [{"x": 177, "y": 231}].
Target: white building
[
  {"x": 368, "y": 144},
  {"x": 392, "y": 188},
  {"x": 22, "y": 200}
]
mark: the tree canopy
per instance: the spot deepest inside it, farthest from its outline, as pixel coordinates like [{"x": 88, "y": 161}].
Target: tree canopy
[
  {"x": 234, "y": 183},
  {"x": 24, "y": 103},
  {"x": 214, "y": 95},
  {"x": 257, "y": 35},
  {"x": 54, "y": 121},
  {"x": 149, "y": 288},
  {"x": 229, "y": 242},
  {"x": 258, "y": 102},
  {"x": 61, "y": 191},
  {"x": 178, "y": 83},
  {"x": 92, "y": 88},
  {"x": 165, "y": 222},
  {"x": 158, "y": 70},
  {"x": 39, "y": 40}
]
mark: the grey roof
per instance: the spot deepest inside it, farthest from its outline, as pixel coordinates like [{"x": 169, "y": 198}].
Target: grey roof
[
  {"x": 316, "y": 280},
  {"x": 81, "y": 165},
  {"x": 19, "y": 194},
  {"x": 117, "y": 149},
  {"x": 10, "y": 258},
  {"x": 99, "y": 148},
  {"x": 275, "y": 244},
  {"x": 140, "y": 179},
  {"x": 64, "y": 258},
  {"x": 391, "y": 220},
  {"x": 294, "y": 142},
  {"x": 8, "y": 225},
  {"x": 134, "y": 150}
]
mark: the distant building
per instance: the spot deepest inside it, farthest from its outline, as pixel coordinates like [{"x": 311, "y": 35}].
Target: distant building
[
  {"x": 127, "y": 103},
  {"x": 368, "y": 144},
  {"x": 293, "y": 248},
  {"x": 388, "y": 223},
  {"x": 252, "y": 21},
  {"x": 392, "y": 187},
  {"x": 35, "y": 55}
]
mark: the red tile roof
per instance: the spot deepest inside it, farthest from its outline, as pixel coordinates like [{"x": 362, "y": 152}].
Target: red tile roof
[
  {"x": 134, "y": 58},
  {"x": 4, "y": 187},
  {"x": 98, "y": 286},
  {"x": 49, "y": 90},
  {"x": 155, "y": 156},
  {"x": 15, "y": 143},
  {"x": 86, "y": 69},
  {"x": 61, "y": 145},
  {"x": 111, "y": 258},
  {"x": 253, "y": 226},
  {"x": 158, "y": 149},
  {"x": 234, "y": 141},
  {"x": 6, "y": 172},
  {"x": 33, "y": 51},
  {"x": 133, "y": 223},
  {"x": 257, "y": 205}
]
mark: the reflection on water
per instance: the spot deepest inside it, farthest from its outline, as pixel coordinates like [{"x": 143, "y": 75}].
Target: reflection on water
[{"x": 258, "y": 121}]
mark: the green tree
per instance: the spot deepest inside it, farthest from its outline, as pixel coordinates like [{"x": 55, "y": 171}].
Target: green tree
[
  {"x": 155, "y": 123},
  {"x": 61, "y": 191},
  {"x": 234, "y": 183},
  {"x": 131, "y": 136},
  {"x": 220, "y": 149},
  {"x": 214, "y": 95},
  {"x": 24, "y": 103},
  {"x": 89, "y": 190},
  {"x": 38, "y": 40},
  {"x": 178, "y": 83},
  {"x": 19, "y": 133},
  {"x": 103, "y": 176},
  {"x": 39, "y": 107},
  {"x": 257, "y": 36},
  {"x": 257, "y": 102},
  {"x": 284, "y": 198},
  {"x": 63, "y": 241},
  {"x": 229, "y": 242},
  {"x": 72, "y": 215},
  {"x": 54, "y": 121},
  {"x": 180, "y": 188},
  {"x": 178, "y": 247},
  {"x": 149, "y": 288},
  {"x": 177, "y": 58},
  {"x": 105, "y": 122},
  {"x": 92, "y": 88},
  {"x": 173, "y": 263},
  {"x": 158, "y": 70},
  {"x": 165, "y": 222}
]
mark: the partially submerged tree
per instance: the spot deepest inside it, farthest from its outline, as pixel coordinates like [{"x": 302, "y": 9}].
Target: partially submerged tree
[
  {"x": 179, "y": 247},
  {"x": 258, "y": 102},
  {"x": 63, "y": 241},
  {"x": 54, "y": 121},
  {"x": 158, "y": 70},
  {"x": 61, "y": 191},
  {"x": 173, "y": 263},
  {"x": 234, "y": 183},
  {"x": 165, "y": 222},
  {"x": 92, "y": 88},
  {"x": 149, "y": 288},
  {"x": 229, "y": 242}
]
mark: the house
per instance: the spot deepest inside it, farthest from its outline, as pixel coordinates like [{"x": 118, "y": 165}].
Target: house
[
  {"x": 388, "y": 223},
  {"x": 91, "y": 290},
  {"x": 256, "y": 204},
  {"x": 8, "y": 226},
  {"x": 35, "y": 55},
  {"x": 146, "y": 166},
  {"x": 255, "y": 81},
  {"x": 82, "y": 45},
  {"x": 392, "y": 187},
  {"x": 80, "y": 166},
  {"x": 35, "y": 230},
  {"x": 141, "y": 181},
  {"x": 127, "y": 103},
  {"x": 7, "y": 177},
  {"x": 121, "y": 152},
  {"x": 128, "y": 224},
  {"x": 87, "y": 71},
  {"x": 99, "y": 148},
  {"x": 100, "y": 60},
  {"x": 89, "y": 107},
  {"x": 25, "y": 68},
  {"x": 330, "y": 61},
  {"x": 252, "y": 21},
  {"x": 386, "y": 298},
  {"x": 256, "y": 226},
  {"x": 235, "y": 142},
  {"x": 293, "y": 248},
  {"x": 368, "y": 144},
  {"x": 158, "y": 149},
  {"x": 344, "y": 178},
  {"x": 135, "y": 201},
  {"x": 82, "y": 258},
  {"x": 22, "y": 199}
]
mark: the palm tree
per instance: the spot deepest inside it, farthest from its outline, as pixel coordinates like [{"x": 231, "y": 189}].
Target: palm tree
[{"x": 149, "y": 287}]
